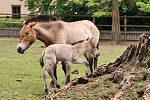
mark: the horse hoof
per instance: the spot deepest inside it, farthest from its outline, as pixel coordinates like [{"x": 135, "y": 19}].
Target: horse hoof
[
  {"x": 58, "y": 86},
  {"x": 46, "y": 90},
  {"x": 89, "y": 76},
  {"x": 52, "y": 84}
]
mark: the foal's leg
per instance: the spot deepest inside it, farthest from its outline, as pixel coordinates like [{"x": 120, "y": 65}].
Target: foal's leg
[
  {"x": 67, "y": 72},
  {"x": 51, "y": 73},
  {"x": 45, "y": 74},
  {"x": 55, "y": 75},
  {"x": 63, "y": 67},
  {"x": 81, "y": 61}
]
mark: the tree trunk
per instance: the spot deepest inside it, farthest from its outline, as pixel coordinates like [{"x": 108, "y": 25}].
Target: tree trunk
[{"x": 115, "y": 21}]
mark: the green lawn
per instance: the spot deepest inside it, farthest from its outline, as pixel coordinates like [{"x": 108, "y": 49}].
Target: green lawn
[{"x": 20, "y": 75}]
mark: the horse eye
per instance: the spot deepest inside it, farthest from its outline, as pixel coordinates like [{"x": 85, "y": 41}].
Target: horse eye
[{"x": 26, "y": 33}]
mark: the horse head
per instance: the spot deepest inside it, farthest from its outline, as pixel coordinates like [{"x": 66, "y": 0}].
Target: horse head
[
  {"x": 93, "y": 51},
  {"x": 27, "y": 36}
]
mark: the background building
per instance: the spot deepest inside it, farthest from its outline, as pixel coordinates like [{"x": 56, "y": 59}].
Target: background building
[{"x": 14, "y": 7}]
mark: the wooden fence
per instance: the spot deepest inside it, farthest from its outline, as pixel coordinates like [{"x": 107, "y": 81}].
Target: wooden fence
[
  {"x": 126, "y": 34},
  {"x": 105, "y": 34},
  {"x": 9, "y": 32}
]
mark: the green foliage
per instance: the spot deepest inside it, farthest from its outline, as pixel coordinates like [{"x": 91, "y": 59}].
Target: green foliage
[
  {"x": 144, "y": 5},
  {"x": 76, "y": 7},
  {"x": 78, "y": 2},
  {"x": 129, "y": 7},
  {"x": 100, "y": 13},
  {"x": 32, "y": 5},
  {"x": 99, "y": 8},
  {"x": 44, "y": 6},
  {"x": 9, "y": 25},
  {"x": 96, "y": 8}
]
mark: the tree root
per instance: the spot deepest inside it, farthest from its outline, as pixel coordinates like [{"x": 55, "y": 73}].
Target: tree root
[{"x": 55, "y": 92}]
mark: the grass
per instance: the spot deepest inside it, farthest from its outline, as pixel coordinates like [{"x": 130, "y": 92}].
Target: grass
[{"x": 20, "y": 75}]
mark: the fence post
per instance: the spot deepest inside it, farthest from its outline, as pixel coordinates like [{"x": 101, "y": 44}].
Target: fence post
[
  {"x": 93, "y": 20},
  {"x": 125, "y": 26}
]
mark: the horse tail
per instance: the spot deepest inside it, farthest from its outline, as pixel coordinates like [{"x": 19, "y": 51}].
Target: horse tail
[{"x": 41, "y": 59}]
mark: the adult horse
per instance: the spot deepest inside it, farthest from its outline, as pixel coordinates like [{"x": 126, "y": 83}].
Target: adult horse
[{"x": 50, "y": 30}]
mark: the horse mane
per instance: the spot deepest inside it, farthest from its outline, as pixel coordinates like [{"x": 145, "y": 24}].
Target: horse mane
[
  {"x": 80, "y": 41},
  {"x": 41, "y": 18},
  {"x": 77, "y": 42}
]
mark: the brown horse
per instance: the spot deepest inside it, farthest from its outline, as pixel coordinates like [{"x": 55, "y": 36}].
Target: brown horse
[
  {"x": 69, "y": 54},
  {"x": 50, "y": 30}
]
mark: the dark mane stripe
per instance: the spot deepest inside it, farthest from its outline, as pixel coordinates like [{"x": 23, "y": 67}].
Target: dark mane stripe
[
  {"x": 80, "y": 41},
  {"x": 77, "y": 42},
  {"x": 41, "y": 18}
]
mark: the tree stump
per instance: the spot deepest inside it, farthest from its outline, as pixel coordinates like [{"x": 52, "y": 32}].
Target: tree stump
[
  {"x": 133, "y": 57},
  {"x": 125, "y": 69}
]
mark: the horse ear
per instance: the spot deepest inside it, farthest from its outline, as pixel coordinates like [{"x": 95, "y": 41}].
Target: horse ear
[
  {"x": 89, "y": 38},
  {"x": 32, "y": 24}
]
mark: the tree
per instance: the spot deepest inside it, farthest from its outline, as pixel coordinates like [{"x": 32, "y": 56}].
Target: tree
[
  {"x": 99, "y": 7},
  {"x": 95, "y": 8},
  {"x": 32, "y": 5},
  {"x": 115, "y": 21}
]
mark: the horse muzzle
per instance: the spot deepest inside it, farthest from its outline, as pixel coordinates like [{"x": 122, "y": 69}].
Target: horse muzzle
[
  {"x": 21, "y": 47},
  {"x": 97, "y": 54},
  {"x": 20, "y": 50}
]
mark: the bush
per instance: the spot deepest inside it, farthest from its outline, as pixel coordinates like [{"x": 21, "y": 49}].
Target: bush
[{"x": 10, "y": 25}]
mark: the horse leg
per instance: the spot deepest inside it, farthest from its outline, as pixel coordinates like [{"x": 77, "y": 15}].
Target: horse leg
[
  {"x": 55, "y": 75},
  {"x": 81, "y": 61},
  {"x": 51, "y": 73},
  {"x": 95, "y": 62},
  {"x": 63, "y": 67},
  {"x": 45, "y": 74},
  {"x": 96, "y": 58},
  {"x": 90, "y": 60},
  {"x": 67, "y": 72}
]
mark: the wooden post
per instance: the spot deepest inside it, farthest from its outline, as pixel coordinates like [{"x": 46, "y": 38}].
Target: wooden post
[
  {"x": 115, "y": 21},
  {"x": 93, "y": 20},
  {"x": 125, "y": 26}
]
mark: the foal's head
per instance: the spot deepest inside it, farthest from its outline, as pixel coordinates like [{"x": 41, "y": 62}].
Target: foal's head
[
  {"x": 92, "y": 49},
  {"x": 27, "y": 36},
  {"x": 89, "y": 47}
]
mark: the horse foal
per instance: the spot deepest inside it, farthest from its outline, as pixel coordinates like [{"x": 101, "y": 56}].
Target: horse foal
[{"x": 68, "y": 54}]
